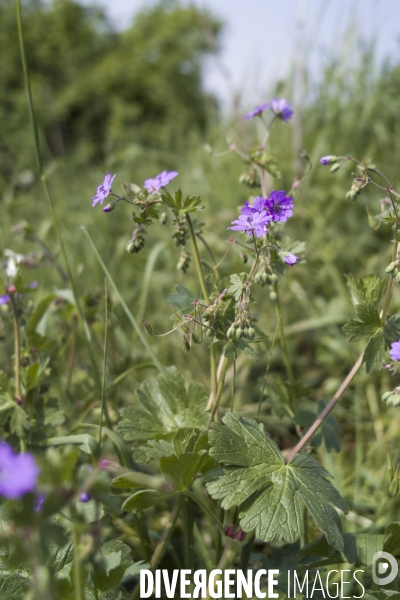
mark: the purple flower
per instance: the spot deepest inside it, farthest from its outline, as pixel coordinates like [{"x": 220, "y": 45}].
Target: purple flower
[
  {"x": 254, "y": 219},
  {"x": 281, "y": 108},
  {"x": 257, "y": 111},
  {"x": 84, "y": 497},
  {"x": 104, "y": 189},
  {"x": 159, "y": 181},
  {"x": 279, "y": 206},
  {"x": 289, "y": 258},
  {"x": 18, "y": 472},
  {"x": 394, "y": 351},
  {"x": 4, "y": 299}
]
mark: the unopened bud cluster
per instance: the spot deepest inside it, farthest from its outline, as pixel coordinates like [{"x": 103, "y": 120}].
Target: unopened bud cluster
[
  {"x": 181, "y": 232},
  {"x": 137, "y": 242},
  {"x": 237, "y": 332},
  {"x": 358, "y": 184},
  {"x": 394, "y": 270},
  {"x": 184, "y": 261}
]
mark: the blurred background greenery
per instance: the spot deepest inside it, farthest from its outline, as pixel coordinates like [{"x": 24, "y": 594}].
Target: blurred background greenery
[{"x": 133, "y": 103}]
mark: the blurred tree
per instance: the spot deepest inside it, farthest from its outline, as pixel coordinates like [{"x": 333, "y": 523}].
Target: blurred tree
[{"x": 96, "y": 89}]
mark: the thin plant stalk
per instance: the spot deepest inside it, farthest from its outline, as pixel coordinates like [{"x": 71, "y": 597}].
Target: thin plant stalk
[
  {"x": 103, "y": 409},
  {"x": 17, "y": 350},
  {"x": 123, "y": 303},
  {"x": 282, "y": 337},
  {"x": 162, "y": 544},
  {"x": 343, "y": 387},
  {"x": 200, "y": 273},
  {"x": 47, "y": 195},
  {"x": 219, "y": 392}
]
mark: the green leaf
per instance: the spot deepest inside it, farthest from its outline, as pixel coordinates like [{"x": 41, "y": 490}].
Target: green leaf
[
  {"x": 182, "y": 300},
  {"x": 233, "y": 346},
  {"x": 144, "y": 499},
  {"x": 271, "y": 493},
  {"x": 366, "y": 290},
  {"x": 374, "y": 354},
  {"x": 182, "y": 470},
  {"x": 84, "y": 441},
  {"x": 39, "y": 312},
  {"x": 185, "y": 440},
  {"x": 391, "y": 330},
  {"x": 392, "y": 541},
  {"x": 382, "y": 595},
  {"x": 365, "y": 326},
  {"x": 358, "y": 548},
  {"x": 111, "y": 562},
  {"x": 119, "y": 445},
  {"x": 237, "y": 281},
  {"x": 165, "y": 406}
]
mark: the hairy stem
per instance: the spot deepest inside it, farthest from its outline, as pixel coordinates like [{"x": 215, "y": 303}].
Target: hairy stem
[{"x": 219, "y": 391}]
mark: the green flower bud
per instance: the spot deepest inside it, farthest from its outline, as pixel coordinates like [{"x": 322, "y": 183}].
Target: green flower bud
[
  {"x": 209, "y": 333},
  {"x": 391, "y": 267},
  {"x": 239, "y": 333},
  {"x": 351, "y": 195},
  {"x": 130, "y": 247},
  {"x": 335, "y": 167},
  {"x": 231, "y": 332},
  {"x": 186, "y": 345},
  {"x": 397, "y": 278},
  {"x": 273, "y": 278},
  {"x": 264, "y": 278},
  {"x": 163, "y": 218},
  {"x": 246, "y": 332},
  {"x": 196, "y": 339},
  {"x": 252, "y": 333},
  {"x": 273, "y": 296},
  {"x": 245, "y": 258},
  {"x": 257, "y": 278}
]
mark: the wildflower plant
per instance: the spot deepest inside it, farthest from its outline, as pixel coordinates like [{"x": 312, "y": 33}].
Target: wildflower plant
[{"x": 95, "y": 489}]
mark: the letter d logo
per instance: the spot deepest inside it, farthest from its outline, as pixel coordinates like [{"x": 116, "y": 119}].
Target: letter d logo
[{"x": 383, "y": 568}]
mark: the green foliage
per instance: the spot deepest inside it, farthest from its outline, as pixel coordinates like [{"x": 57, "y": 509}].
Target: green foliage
[
  {"x": 270, "y": 493},
  {"x": 164, "y": 407}
]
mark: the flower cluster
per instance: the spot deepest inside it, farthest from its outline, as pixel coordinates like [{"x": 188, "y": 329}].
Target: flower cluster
[
  {"x": 279, "y": 106},
  {"x": 254, "y": 219},
  {"x": 18, "y": 472}
]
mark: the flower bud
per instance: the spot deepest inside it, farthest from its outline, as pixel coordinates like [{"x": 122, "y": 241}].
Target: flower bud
[
  {"x": 148, "y": 327},
  {"x": 391, "y": 267},
  {"x": 273, "y": 296},
  {"x": 239, "y": 333},
  {"x": 163, "y": 218},
  {"x": 335, "y": 168},
  {"x": 397, "y": 278},
  {"x": 257, "y": 278},
  {"x": 351, "y": 195},
  {"x": 246, "y": 332},
  {"x": 186, "y": 345},
  {"x": 328, "y": 160},
  {"x": 245, "y": 258},
  {"x": 130, "y": 247},
  {"x": 209, "y": 333},
  {"x": 264, "y": 278},
  {"x": 231, "y": 332},
  {"x": 273, "y": 278},
  {"x": 252, "y": 333},
  {"x": 110, "y": 206}
]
